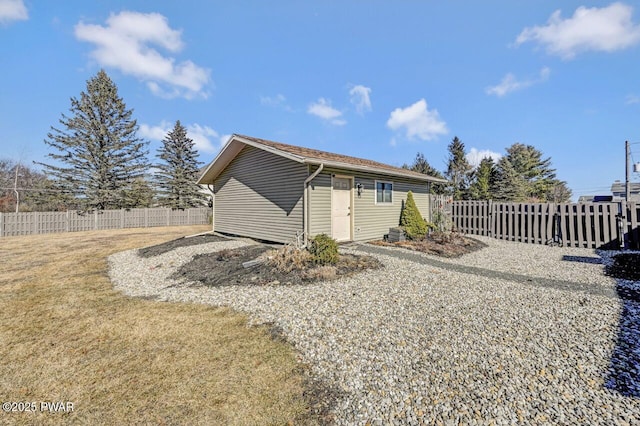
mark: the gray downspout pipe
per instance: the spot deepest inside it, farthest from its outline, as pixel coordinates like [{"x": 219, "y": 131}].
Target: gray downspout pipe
[{"x": 305, "y": 209}]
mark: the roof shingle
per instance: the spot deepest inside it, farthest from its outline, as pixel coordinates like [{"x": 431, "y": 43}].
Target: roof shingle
[{"x": 320, "y": 156}]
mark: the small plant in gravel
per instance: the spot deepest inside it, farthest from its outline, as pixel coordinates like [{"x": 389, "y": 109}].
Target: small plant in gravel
[
  {"x": 288, "y": 258},
  {"x": 324, "y": 250},
  {"x": 415, "y": 227}
]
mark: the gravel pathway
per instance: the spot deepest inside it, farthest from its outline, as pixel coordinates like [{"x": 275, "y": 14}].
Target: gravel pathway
[{"x": 426, "y": 340}]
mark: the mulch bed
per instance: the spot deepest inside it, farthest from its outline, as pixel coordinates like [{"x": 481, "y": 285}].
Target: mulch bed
[
  {"x": 163, "y": 248},
  {"x": 454, "y": 245},
  {"x": 225, "y": 268}
]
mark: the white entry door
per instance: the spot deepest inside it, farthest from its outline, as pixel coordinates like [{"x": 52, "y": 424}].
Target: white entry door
[{"x": 341, "y": 209}]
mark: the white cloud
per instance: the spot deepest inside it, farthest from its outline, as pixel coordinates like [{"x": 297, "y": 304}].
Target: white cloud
[
  {"x": 632, "y": 99},
  {"x": 277, "y": 101},
  {"x": 205, "y": 139},
  {"x": 156, "y": 133},
  {"x": 128, "y": 42},
  {"x": 510, "y": 83},
  {"x": 418, "y": 121},
  {"x": 12, "y": 10},
  {"x": 600, "y": 29},
  {"x": 324, "y": 110},
  {"x": 475, "y": 156},
  {"x": 360, "y": 97}
]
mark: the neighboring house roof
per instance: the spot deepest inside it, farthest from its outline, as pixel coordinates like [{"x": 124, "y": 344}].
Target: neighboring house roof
[
  {"x": 619, "y": 188},
  {"x": 306, "y": 156}
]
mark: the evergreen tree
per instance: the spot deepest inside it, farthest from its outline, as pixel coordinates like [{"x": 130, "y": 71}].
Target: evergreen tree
[
  {"x": 139, "y": 195},
  {"x": 177, "y": 174},
  {"x": 98, "y": 153},
  {"x": 508, "y": 184},
  {"x": 421, "y": 165},
  {"x": 458, "y": 169},
  {"x": 538, "y": 176},
  {"x": 411, "y": 220},
  {"x": 483, "y": 179}
]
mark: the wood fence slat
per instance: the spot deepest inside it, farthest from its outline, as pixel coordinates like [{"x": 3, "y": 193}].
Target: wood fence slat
[
  {"x": 597, "y": 220},
  {"x": 580, "y": 217},
  {"x": 588, "y": 225},
  {"x": 613, "y": 226},
  {"x": 606, "y": 233},
  {"x": 569, "y": 237},
  {"x": 550, "y": 219},
  {"x": 523, "y": 216},
  {"x": 632, "y": 217}
]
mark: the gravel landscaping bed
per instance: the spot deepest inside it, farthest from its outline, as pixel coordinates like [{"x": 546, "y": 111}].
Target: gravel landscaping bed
[
  {"x": 535, "y": 260},
  {"x": 414, "y": 343}
]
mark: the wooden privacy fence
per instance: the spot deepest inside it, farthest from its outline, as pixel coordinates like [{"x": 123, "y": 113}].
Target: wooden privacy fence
[
  {"x": 592, "y": 225},
  {"x": 12, "y": 224}
]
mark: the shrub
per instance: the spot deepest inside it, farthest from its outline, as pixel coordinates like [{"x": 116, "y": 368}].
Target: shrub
[
  {"x": 288, "y": 258},
  {"x": 324, "y": 250},
  {"x": 411, "y": 220}
]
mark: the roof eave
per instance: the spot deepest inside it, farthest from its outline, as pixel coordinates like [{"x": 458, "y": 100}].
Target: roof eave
[{"x": 349, "y": 166}]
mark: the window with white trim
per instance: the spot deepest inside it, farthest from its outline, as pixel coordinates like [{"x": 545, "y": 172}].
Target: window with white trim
[{"x": 384, "y": 192}]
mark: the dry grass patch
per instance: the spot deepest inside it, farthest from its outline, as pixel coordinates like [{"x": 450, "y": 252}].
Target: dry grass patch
[{"x": 66, "y": 335}]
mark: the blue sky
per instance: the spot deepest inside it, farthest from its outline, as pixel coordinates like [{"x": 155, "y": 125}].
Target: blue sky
[{"x": 375, "y": 79}]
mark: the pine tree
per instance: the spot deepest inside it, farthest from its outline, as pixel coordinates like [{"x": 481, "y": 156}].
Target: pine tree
[
  {"x": 139, "y": 195},
  {"x": 421, "y": 165},
  {"x": 411, "y": 220},
  {"x": 458, "y": 169},
  {"x": 177, "y": 174},
  {"x": 483, "y": 179},
  {"x": 538, "y": 176},
  {"x": 508, "y": 184},
  {"x": 98, "y": 153}
]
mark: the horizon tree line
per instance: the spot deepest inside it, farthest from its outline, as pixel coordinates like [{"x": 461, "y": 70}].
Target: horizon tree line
[{"x": 521, "y": 175}]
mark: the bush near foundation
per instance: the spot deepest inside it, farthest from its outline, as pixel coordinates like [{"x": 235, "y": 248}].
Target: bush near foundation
[
  {"x": 415, "y": 227},
  {"x": 324, "y": 250}
]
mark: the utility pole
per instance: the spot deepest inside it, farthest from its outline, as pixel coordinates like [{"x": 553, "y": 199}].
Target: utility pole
[
  {"x": 15, "y": 188},
  {"x": 627, "y": 156}
]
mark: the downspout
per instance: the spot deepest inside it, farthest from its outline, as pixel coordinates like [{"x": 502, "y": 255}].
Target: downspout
[
  {"x": 305, "y": 209},
  {"x": 213, "y": 205}
]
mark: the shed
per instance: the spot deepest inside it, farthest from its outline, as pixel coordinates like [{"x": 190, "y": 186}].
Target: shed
[{"x": 275, "y": 192}]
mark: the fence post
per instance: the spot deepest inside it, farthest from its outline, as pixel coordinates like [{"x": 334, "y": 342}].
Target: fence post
[
  {"x": 188, "y": 219},
  {"x": 168, "y": 217},
  {"x": 35, "y": 223},
  {"x": 95, "y": 220},
  {"x": 1, "y": 225},
  {"x": 122, "y": 211}
]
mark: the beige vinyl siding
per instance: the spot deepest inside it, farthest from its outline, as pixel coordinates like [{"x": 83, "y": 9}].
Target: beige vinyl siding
[
  {"x": 320, "y": 204},
  {"x": 259, "y": 195},
  {"x": 371, "y": 221}
]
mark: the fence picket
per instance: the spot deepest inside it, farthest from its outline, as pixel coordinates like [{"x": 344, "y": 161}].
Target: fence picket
[{"x": 632, "y": 215}]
